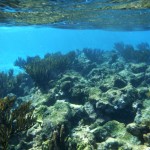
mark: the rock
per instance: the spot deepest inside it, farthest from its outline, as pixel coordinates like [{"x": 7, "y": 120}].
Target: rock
[
  {"x": 144, "y": 116},
  {"x": 109, "y": 144},
  {"x": 104, "y": 88},
  {"x": 79, "y": 115},
  {"x": 89, "y": 108},
  {"x": 139, "y": 68},
  {"x": 138, "y": 131},
  {"x": 78, "y": 94},
  {"x": 66, "y": 86},
  {"x": 94, "y": 94},
  {"x": 82, "y": 137},
  {"x": 137, "y": 80},
  {"x": 120, "y": 83},
  {"x": 117, "y": 137},
  {"x": 147, "y": 139},
  {"x": 104, "y": 107},
  {"x": 59, "y": 113},
  {"x": 134, "y": 129}
]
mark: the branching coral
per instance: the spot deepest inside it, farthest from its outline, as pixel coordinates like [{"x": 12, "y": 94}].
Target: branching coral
[
  {"x": 126, "y": 51},
  {"x": 6, "y": 82},
  {"x": 20, "y": 62},
  {"x": 13, "y": 120},
  {"x": 94, "y": 55},
  {"x": 9, "y": 83},
  {"x": 42, "y": 71},
  {"x": 129, "y": 53}
]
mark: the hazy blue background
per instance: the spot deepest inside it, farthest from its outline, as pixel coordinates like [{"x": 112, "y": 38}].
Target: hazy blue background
[{"x": 30, "y": 41}]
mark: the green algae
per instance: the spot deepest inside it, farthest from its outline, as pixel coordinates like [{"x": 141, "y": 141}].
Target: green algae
[
  {"x": 59, "y": 113},
  {"x": 94, "y": 94}
]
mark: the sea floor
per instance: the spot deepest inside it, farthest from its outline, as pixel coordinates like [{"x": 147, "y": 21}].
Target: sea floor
[{"x": 101, "y": 101}]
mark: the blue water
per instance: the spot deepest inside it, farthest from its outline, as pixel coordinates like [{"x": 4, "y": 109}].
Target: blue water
[{"x": 29, "y": 41}]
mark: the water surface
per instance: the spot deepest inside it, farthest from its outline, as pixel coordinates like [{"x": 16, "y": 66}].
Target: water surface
[{"x": 77, "y": 14}]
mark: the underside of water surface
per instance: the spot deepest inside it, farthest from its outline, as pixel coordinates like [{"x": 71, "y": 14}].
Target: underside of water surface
[{"x": 77, "y": 14}]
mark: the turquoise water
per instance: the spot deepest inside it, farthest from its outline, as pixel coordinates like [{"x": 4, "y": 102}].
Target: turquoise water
[
  {"x": 94, "y": 95},
  {"x": 30, "y": 41}
]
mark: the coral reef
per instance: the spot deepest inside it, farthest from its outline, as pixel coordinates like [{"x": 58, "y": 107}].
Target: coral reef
[{"x": 89, "y": 104}]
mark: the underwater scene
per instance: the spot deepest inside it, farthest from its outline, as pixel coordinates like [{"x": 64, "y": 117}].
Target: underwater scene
[{"x": 74, "y": 75}]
